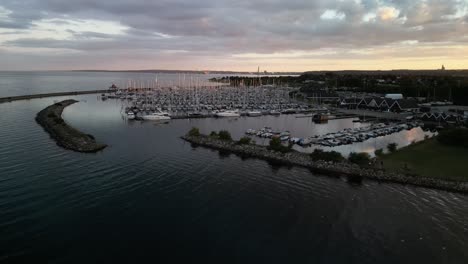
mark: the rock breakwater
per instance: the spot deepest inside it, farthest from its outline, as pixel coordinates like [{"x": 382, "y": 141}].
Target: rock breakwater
[
  {"x": 50, "y": 118},
  {"x": 347, "y": 169}
]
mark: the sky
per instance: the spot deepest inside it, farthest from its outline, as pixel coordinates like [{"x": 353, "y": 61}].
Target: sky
[{"x": 240, "y": 35}]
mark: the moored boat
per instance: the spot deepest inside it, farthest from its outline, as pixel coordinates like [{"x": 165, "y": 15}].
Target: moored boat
[
  {"x": 228, "y": 113},
  {"x": 156, "y": 116},
  {"x": 275, "y": 113},
  {"x": 254, "y": 113},
  {"x": 130, "y": 115}
]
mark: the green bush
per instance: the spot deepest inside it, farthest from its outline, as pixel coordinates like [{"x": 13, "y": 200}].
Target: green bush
[
  {"x": 378, "y": 152},
  {"x": 392, "y": 147},
  {"x": 224, "y": 135},
  {"x": 275, "y": 144},
  {"x": 319, "y": 154},
  {"x": 362, "y": 158},
  {"x": 244, "y": 141},
  {"x": 213, "y": 134},
  {"x": 454, "y": 137},
  {"x": 194, "y": 132}
]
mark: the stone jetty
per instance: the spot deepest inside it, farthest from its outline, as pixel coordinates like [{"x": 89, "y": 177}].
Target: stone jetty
[
  {"x": 44, "y": 95},
  {"x": 66, "y": 136},
  {"x": 347, "y": 169}
]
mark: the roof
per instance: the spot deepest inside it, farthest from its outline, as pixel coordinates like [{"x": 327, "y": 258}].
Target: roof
[{"x": 408, "y": 104}]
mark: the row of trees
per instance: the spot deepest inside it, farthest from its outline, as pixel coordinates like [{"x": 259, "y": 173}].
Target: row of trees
[
  {"x": 318, "y": 154},
  {"x": 454, "y": 137},
  {"x": 432, "y": 87}
]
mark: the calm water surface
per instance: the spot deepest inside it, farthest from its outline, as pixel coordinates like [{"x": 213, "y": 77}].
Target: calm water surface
[
  {"x": 24, "y": 83},
  {"x": 151, "y": 196}
]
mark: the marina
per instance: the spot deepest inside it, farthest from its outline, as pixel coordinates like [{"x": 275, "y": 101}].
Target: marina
[
  {"x": 160, "y": 185},
  {"x": 277, "y": 132},
  {"x": 205, "y": 101},
  {"x": 344, "y": 137}
]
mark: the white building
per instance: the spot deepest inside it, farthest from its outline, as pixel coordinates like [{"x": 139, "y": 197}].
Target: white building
[{"x": 394, "y": 96}]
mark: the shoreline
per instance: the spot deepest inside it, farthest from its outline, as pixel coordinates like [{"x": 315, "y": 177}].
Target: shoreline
[
  {"x": 347, "y": 169},
  {"x": 50, "y": 118}
]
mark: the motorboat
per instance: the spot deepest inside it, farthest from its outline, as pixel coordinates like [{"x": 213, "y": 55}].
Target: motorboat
[
  {"x": 195, "y": 115},
  {"x": 228, "y": 113},
  {"x": 251, "y": 131},
  {"x": 295, "y": 140},
  {"x": 305, "y": 142},
  {"x": 156, "y": 116},
  {"x": 130, "y": 115},
  {"x": 334, "y": 142},
  {"x": 254, "y": 113},
  {"x": 275, "y": 113}
]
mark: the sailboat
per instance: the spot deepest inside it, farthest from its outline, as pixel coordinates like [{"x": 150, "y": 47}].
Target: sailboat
[
  {"x": 156, "y": 116},
  {"x": 254, "y": 113},
  {"x": 228, "y": 113}
]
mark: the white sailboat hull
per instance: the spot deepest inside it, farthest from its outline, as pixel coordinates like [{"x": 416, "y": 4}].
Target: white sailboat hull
[
  {"x": 156, "y": 117},
  {"x": 228, "y": 114},
  {"x": 254, "y": 113}
]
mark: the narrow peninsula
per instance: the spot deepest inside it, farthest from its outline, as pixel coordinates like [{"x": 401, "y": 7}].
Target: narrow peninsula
[
  {"x": 331, "y": 168},
  {"x": 66, "y": 136}
]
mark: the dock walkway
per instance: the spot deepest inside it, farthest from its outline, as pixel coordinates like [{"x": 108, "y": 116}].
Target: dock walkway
[{"x": 44, "y": 95}]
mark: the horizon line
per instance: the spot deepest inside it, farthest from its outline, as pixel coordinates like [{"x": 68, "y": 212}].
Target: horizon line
[{"x": 234, "y": 71}]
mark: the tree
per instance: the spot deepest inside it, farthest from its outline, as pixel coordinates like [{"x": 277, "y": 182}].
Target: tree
[
  {"x": 454, "y": 137},
  {"x": 362, "y": 158},
  {"x": 392, "y": 147},
  {"x": 333, "y": 156},
  {"x": 378, "y": 152},
  {"x": 276, "y": 145},
  {"x": 213, "y": 134},
  {"x": 224, "y": 135},
  {"x": 194, "y": 132},
  {"x": 244, "y": 141}
]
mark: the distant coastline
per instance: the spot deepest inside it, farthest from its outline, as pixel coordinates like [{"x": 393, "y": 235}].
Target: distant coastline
[
  {"x": 418, "y": 72},
  {"x": 195, "y": 72},
  {"x": 463, "y": 72}
]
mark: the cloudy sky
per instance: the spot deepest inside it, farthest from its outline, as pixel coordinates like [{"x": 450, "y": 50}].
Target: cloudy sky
[{"x": 277, "y": 35}]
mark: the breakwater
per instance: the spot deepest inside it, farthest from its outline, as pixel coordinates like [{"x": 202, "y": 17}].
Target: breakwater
[
  {"x": 345, "y": 168},
  {"x": 50, "y": 118},
  {"x": 43, "y": 95}
]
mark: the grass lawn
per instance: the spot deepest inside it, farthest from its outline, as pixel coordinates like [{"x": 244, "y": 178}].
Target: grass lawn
[{"x": 431, "y": 159}]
